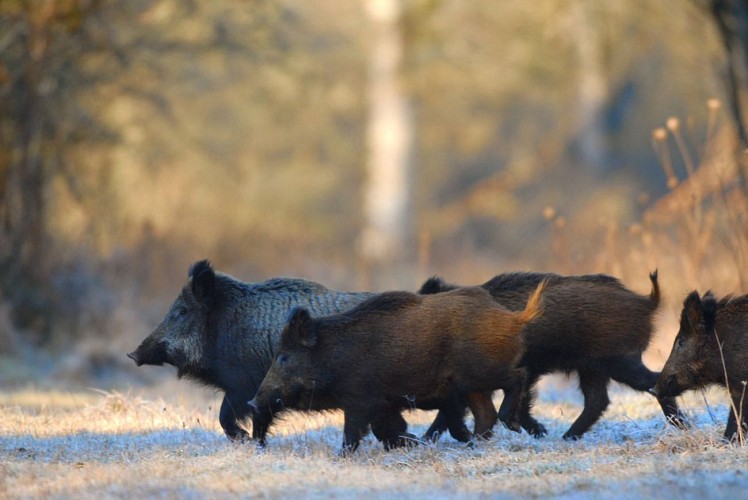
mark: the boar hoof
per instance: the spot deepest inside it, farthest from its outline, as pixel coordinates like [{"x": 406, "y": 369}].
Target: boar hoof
[
  {"x": 572, "y": 437},
  {"x": 238, "y": 436},
  {"x": 347, "y": 451},
  {"x": 537, "y": 430},
  {"x": 679, "y": 420},
  {"x": 512, "y": 425},
  {"x": 483, "y": 436},
  {"x": 430, "y": 437},
  {"x": 406, "y": 440}
]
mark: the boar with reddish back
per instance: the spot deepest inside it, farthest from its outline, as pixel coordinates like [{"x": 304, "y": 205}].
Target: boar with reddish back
[{"x": 399, "y": 351}]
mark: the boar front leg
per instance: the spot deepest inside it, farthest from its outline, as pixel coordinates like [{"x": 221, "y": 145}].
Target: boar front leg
[
  {"x": 356, "y": 426},
  {"x": 631, "y": 371},
  {"x": 453, "y": 410},
  {"x": 740, "y": 405},
  {"x": 232, "y": 411},
  {"x": 391, "y": 429}
]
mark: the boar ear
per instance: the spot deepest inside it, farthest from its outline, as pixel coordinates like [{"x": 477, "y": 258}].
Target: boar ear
[
  {"x": 300, "y": 327},
  {"x": 692, "y": 311},
  {"x": 709, "y": 307},
  {"x": 203, "y": 281},
  {"x": 432, "y": 285}
]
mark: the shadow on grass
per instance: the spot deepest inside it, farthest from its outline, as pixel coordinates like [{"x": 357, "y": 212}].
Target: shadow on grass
[{"x": 112, "y": 447}]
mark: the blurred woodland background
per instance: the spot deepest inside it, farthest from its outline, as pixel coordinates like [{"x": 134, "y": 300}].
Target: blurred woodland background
[{"x": 365, "y": 145}]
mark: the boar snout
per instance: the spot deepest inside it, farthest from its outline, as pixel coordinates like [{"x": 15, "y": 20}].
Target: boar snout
[
  {"x": 264, "y": 403},
  {"x": 150, "y": 353},
  {"x": 666, "y": 387},
  {"x": 135, "y": 357},
  {"x": 254, "y": 409}
]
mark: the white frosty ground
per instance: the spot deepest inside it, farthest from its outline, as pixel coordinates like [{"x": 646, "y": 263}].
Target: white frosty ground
[{"x": 166, "y": 442}]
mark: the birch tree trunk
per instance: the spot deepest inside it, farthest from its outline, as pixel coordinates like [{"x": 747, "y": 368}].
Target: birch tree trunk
[
  {"x": 592, "y": 87},
  {"x": 385, "y": 243}
]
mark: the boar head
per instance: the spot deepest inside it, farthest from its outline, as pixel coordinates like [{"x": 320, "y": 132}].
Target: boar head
[
  {"x": 695, "y": 356},
  {"x": 180, "y": 337},
  {"x": 295, "y": 378}
]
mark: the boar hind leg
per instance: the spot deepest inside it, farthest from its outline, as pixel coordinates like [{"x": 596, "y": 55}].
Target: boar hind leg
[
  {"x": 594, "y": 386},
  {"x": 631, "y": 371},
  {"x": 230, "y": 415},
  {"x": 438, "y": 426},
  {"x": 454, "y": 415},
  {"x": 392, "y": 430},
  {"x": 526, "y": 398},
  {"x": 515, "y": 391},
  {"x": 484, "y": 413}
]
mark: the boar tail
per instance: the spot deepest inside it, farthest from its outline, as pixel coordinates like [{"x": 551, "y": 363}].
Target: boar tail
[
  {"x": 654, "y": 295},
  {"x": 534, "y": 307}
]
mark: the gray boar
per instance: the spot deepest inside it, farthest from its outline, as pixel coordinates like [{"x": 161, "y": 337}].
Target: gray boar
[
  {"x": 223, "y": 333},
  {"x": 696, "y": 361},
  {"x": 591, "y": 325},
  {"x": 398, "y": 351}
]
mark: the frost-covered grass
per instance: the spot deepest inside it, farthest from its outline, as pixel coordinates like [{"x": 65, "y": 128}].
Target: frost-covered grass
[{"x": 166, "y": 442}]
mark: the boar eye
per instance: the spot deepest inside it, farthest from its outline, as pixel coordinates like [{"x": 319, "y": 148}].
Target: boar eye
[
  {"x": 282, "y": 358},
  {"x": 181, "y": 311},
  {"x": 680, "y": 342}
]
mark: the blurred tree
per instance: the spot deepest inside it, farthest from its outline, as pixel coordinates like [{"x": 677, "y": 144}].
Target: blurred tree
[
  {"x": 593, "y": 90},
  {"x": 42, "y": 47},
  {"x": 386, "y": 240},
  {"x": 731, "y": 20}
]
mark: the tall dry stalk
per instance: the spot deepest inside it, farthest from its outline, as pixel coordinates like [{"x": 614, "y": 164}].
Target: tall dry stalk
[
  {"x": 702, "y": 217},
  {"x": 736, "y": 412}
]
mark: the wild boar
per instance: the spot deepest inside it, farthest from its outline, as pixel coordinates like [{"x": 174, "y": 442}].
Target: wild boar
[
  {"x": 398, "y": 351},
  {"x": 591, "y": 325},
  {"x": 223, "y": 333},
  {"x": 697, "y": 360}
]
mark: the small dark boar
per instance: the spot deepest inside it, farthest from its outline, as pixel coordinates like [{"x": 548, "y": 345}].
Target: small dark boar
[
  {"x": 591, "y": 325},
  {"x": 223, "y": 333},
  {"x": 399, "y": 351},
  {"x": 695, "y": 360}
]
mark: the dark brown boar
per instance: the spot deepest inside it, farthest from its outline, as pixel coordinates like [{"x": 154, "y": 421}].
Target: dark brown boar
[
  {"x": 591, "y": 325},
  {"x": 696, "y": 360},
  {"x": 224, "y": 332},
  {"x": 399, "y": 351}
]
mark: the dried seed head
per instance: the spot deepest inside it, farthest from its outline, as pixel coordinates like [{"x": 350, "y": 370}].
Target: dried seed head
[
  {"x": 659, "y": 134},
  {"x": 560, "y": 222},
  {"x": 672, "y": 182},
  {"x": 549, "y": 213},
  {"x": 713, "y": 104},
  {"x": 673, "y": 124}
]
